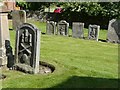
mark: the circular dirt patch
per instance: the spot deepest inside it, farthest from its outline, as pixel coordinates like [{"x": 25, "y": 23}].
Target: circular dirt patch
[{"x": 46, "y": 68}]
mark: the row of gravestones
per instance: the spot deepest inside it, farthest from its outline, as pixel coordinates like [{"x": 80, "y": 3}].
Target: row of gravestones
[
  {"x": 77, "y": 29},
  {"x": 113, "y": 35},
  {"x": 62, "y": 28}
]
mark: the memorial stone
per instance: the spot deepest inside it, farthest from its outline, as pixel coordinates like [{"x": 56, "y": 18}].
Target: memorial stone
[
  {"x": 77, "y": 30},
  {"x": 114, "y": 31},
  {"x": 51, "y": 27},
  {"x": 27, "y": 49},
  {"x": 93, "y": 32},
  {"x": 4, "y": 35},
  {"x": 18, "y": 18},
  {"x": 62, "y": 28}
]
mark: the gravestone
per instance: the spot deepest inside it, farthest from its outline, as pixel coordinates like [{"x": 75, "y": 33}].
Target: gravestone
[
  {"x": 114, "y": 31},
  {"x": 51, "y": 27},
  {"x": 77, "y": 30},
  {"x": 27, "y": 49},
  {"x": 18, "y": 18},
  {"x": 4, "y": 35},
  {"x": 62, "y": 28},
  {"x": 93, "y": 32}
]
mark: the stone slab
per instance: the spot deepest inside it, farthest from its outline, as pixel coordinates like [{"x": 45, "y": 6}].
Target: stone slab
[
  {"x": 77, "y": 30},
  {"x": 51, "y": 27},
  {"x": 4, "y": 35},
  {"x": 114, "y": 31}
]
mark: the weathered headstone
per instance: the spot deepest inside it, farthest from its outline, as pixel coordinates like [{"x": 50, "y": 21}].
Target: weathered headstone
[
  {"x": 4, "y": 35},
  {"x": 51, "y": 27},
  {"x": 77, "y": 30},
  {"x": 27, "y": 49},
  {"x": 114, "y": 31},
  {"x": 93, "y": 32},
  {"x": 18, "y": 18},
  {"x": 63, "y": 28}
]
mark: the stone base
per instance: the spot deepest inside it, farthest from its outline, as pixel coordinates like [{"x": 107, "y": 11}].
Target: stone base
[
  {"x": 3, "y": 61},
  {"x": 3, "y": 58}
]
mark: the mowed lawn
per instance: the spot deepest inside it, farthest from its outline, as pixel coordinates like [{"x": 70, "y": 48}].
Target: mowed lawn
[{"x": 78, "y": 63}]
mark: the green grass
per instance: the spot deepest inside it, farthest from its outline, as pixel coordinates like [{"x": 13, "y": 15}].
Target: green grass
[{"x": 79, "y": 63}]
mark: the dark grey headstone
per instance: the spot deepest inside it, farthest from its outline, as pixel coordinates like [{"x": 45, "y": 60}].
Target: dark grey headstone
[
  {"x": 93, "y": 32},
  {"x": 114, "y": 31},
  {"x": 51, "y": 27},
  {"x": 63, "y": 27},
  {"x": 77, "y": 30},
  {"x": 27, "y": 49}
]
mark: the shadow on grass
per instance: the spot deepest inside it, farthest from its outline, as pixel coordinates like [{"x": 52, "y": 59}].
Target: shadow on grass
[
  {"x": 81, "y": 83},
  {"x": 88, "y": 82}
]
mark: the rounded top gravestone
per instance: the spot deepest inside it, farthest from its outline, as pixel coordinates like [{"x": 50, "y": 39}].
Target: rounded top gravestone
[
  {"x": 63, "y": 27},
  {"x": 27, "y": 49}
]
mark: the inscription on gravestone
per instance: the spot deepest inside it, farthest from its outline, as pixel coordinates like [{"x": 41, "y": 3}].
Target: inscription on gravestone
[
  {"x": 18, "y": 18},
  {"x": 27, "y": 49},
  {"x": 51, "y": 27},
  {"x": 114, "y": 31},
  {"x": 93, "y": 32},
  {"x": 77, "y": 30},
  {"x": 62, "y": 28}
]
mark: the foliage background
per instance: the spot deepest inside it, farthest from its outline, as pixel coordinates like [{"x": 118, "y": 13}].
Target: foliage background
[{"x": 88, "y": 12}]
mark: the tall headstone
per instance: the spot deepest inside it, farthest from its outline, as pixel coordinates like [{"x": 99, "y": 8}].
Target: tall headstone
[
  {"x": 77, "y": 30},
  {"x": 63, "y": 28},
  {"x": 18, "y": 18},
  {"x": 114, "y": 31},
  {"x": 51, "y": 27},
  {"x": 4, "y": 35},
  {"x": 27, "y": 49},
  {"x": 93, "y": 32}
]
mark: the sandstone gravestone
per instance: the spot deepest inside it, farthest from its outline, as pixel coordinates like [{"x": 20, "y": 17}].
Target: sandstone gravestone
[
  {"x": 18, "y": 18},
  {"x": 93, "y": 32},
  {"x": 77, "y": 30},
  {"x": 62, "y": 28},
  {"x": 27, "y": 49},
  {"x": 4, "y": 35},
  {"x": 114, "y": 31},
  {"x": 51, "y": 27}
]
